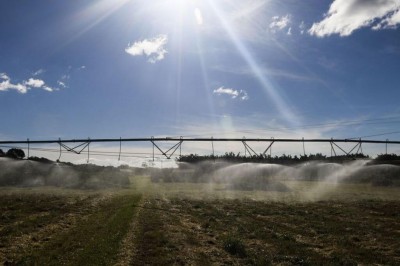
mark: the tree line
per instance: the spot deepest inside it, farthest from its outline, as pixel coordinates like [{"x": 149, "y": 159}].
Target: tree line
[
  {"x": 283, "y": 159},
  {"x": 13, "y": 153}
]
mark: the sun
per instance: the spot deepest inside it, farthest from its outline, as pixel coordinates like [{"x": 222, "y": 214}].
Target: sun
[
  {"x": 178, "y": 5},
  {"x": 182, "y": 10}
]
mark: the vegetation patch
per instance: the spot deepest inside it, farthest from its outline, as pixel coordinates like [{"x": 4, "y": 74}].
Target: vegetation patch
[
  {"x": 234, "y": 246},
  {"x": 93, "y": 241}
]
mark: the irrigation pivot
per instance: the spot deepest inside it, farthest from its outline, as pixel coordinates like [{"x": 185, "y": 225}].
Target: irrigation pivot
[
  {"x": 211, "y": 139},
  {"x": 84, "y": 144}
]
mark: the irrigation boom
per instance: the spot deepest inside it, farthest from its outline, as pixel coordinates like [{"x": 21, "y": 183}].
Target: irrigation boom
[
  {"x": 182, "y": 139},
  {"x": 83, "y": 144}
]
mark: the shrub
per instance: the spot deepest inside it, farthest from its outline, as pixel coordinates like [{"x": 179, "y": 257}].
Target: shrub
[
  {"x": 15, "y": 153},
  {"x": 40, "y": 159},
  {"x": 235, "y": 246}
]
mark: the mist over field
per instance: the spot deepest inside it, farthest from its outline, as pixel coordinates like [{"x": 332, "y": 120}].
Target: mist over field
[
  {"x": 226, "y": 175},
  {"x": 28, "y": 173}
]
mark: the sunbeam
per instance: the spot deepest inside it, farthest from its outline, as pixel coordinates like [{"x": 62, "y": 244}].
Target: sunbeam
[
  {"x": 206, "y": 83},
  {"x": 284, "y": 109},
  {"x": 92, "y": 15}
]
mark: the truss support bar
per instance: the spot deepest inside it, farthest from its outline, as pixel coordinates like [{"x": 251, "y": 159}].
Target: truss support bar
[
  {"x": 340, "y": 148},
  {"x": 180, "y": 147},
  {"x": 212, "y": 146},
  {"x": 357, "y": 145},
  {"x": 333, "y": 149},
  {"x": 86, "y": 144},
  {"x": 120, "y": 146},
  {"x": 179, "y": 144},
  {"x": 88, "y": 150},
  {"x": 387, "y": 145},
  {"x": 249, "y": 149},
  {"x": 174, "y": 148},
  {"x": 28, "y": 148},
  {"x": 359, "y": 148},
  {"x": 162, "y": 152},
  {"x": 246, "y": 150},
  {"x": 59, "y": 142},
  {"x": 268, "y": 148}
]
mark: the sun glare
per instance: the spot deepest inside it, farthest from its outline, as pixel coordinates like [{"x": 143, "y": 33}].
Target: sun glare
[
  {"x": 183, "y": 10},
  {"x": 198, "y": 16},
  {"x": 177, "y": 5}
]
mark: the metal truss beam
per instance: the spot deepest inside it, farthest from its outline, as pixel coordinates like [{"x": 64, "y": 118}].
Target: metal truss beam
[
  {"x": 171, "y": 150},
  {"x": 78, "y": 149},
  {"x": 358, "y": 144},
  {"x": 85, "y": 143},
  {"x": 251, "y": 152},
  {"x": 198, "y": 140}
]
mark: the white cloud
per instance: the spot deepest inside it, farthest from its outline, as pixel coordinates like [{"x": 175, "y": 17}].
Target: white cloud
[
  {"x": 35, "y": 83},
  {"x": 289, "y": 32},
  {"x": 346, "y": 16},
  {"x": 5, "y": 84},
  {"x": 38, "y": 72},
  {"x": 153, "y": 48},
  {"x": 24, "y": 87},
  {"x": 4, "y": 76},
  {"x": 47, "y": 88},
  {"x": 38, "y": 83},
  {"x": 280, "y": 23},
  {"x": 390, "y": 22},
  {"x": 62, "y": 84},
  {"x": 241, "y": 94}
]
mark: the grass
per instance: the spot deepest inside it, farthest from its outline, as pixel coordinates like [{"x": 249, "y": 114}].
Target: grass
[
  {"x": 196, "y": 224},
  {"x": 153, "y": 245},
  {"x": 94, "y": 240}
]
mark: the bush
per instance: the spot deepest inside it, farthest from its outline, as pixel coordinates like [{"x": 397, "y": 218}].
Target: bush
[
  {"x": 235, "y": 246},
  {"x": 15, "y": 153}
]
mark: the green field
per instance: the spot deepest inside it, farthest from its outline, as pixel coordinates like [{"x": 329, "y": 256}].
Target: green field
[{"x": 201, "y": 224}]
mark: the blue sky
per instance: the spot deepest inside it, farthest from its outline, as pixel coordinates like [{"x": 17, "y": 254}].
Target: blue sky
[{"x": 120, "y": 68}]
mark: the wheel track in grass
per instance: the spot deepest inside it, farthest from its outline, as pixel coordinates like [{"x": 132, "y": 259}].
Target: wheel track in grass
[
  {"x": 41, "y": 231},
  {"x": 128, "y": 248}
]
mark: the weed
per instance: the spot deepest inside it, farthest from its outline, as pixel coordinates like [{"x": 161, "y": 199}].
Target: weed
[{"x": 235, "y": 246}]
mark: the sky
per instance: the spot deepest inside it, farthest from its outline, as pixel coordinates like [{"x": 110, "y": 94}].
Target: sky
[{"x": 200, "y": 68}]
